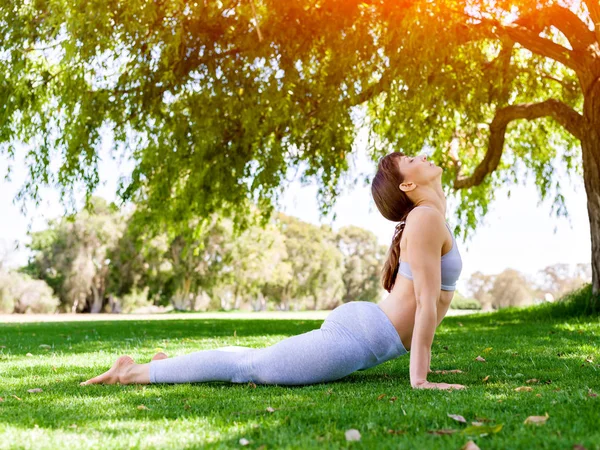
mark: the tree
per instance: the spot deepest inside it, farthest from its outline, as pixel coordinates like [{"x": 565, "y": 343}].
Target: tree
[
  {"x": 480, "y": 286},
  {"x": 363, "y": 258},
  {"x": 215, "y": 101},
  {"x": 315, "y": 263},
  {"x": 19, "y": 293},
  {"x": 559, "y": 279},
  {"x": 72, "y": 256},
  {"x": 511, "y": 289}
]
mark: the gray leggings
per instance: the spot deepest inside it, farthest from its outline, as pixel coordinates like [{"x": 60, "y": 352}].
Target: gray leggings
[{"x": 354, "y": 336}]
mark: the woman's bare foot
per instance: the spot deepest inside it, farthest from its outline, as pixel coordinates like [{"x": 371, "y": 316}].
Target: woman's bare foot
[
  {"x": 115, "y": 374},
  {"x": 125, "y": 371}
]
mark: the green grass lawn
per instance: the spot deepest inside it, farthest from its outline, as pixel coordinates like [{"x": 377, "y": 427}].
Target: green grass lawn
[{"x": 549, "y": 343}]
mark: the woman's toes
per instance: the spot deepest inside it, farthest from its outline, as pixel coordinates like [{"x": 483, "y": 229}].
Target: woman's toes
[{"x": 159, "y": 355}]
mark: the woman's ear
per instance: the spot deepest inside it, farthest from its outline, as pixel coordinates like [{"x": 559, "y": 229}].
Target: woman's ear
[{"x": 405, "y": 187}]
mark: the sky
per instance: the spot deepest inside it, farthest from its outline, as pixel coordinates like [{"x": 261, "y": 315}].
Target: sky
[{"x": 518, "y": 232}]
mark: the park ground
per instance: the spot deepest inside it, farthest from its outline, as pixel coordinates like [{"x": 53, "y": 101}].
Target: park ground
[{"x": 541, "y": 361}]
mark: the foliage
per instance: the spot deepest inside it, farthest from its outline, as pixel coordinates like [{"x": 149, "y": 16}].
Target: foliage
[
  {"x": 216, "y": 102},
  {"x": 20, "y": 293},
  {"x": 362, "y": 264},
  {"x": 72, "y": 256},
  {"x": 108, "y": 260},
  {"x": 461, "y": 302}
]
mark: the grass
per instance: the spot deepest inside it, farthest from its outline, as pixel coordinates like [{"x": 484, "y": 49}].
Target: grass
[{"x": 555, "y": 344}]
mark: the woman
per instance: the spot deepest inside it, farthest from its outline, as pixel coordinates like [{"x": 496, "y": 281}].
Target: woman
[{"x": 356, "y": 335}]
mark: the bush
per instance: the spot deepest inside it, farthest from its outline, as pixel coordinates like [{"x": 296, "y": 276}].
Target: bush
[
  {"x": 22, "y": 294},
  {"x": 464, "y": 303},
  {"x": 134, "y": 300}
]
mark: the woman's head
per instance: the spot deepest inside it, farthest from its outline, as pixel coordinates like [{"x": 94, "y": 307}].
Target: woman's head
[{"x": 394, "y": 192}]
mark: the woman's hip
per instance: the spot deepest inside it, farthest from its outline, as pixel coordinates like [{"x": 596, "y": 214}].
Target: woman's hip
[{"x": 368, "y": 324}]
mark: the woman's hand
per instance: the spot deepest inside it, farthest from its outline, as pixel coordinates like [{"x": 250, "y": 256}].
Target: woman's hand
[{"x": 429, "y": 385}]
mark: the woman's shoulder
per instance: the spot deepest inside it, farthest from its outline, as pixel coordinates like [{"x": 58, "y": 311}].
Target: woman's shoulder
[{"x": 424, "y": 221}]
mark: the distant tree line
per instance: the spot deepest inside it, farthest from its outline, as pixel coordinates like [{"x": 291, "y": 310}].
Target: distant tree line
[
  {"x": 107, "y": 260},
  {"x": 513, "y": 288}
]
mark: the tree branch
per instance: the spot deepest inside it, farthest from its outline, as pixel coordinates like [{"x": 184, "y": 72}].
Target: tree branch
[
  {"x": 563, "y": 114},
  {"x": 575, "y": 30},
  {"x": 524, "y": 36},
  {"x": 594, "y": 8},
  {"x": 536, "y": 44}
]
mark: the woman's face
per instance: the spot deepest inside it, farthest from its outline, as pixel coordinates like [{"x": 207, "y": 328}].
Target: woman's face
[{"x": 418, "y": 170}]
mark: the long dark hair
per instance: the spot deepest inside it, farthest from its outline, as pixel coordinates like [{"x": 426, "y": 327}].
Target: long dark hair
[{"x": 394, "y": 205}]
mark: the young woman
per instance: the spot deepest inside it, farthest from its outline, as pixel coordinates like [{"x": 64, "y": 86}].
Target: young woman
[{"x": 356, "y": 335}]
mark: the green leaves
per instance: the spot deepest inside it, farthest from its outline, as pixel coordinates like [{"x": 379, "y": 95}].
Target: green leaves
[{"x": 216, "y": 118}]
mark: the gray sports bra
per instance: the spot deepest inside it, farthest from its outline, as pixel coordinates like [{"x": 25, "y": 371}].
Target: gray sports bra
[{"x": 451, "y": 265}]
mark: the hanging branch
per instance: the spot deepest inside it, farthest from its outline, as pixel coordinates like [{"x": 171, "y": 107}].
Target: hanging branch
[{"x": 256, "y": 21}]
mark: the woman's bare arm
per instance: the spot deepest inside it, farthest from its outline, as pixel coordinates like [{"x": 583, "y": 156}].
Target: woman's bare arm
[{"x": 425, "y": 239}]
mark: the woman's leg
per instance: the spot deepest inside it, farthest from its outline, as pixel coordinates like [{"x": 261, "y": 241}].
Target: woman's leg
[
  {"x": 355, "y": 336},
  {"x": 320, "y": 355}
]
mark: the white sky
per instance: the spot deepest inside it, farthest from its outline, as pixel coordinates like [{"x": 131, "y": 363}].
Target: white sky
[{"x": 516, "y": 233}]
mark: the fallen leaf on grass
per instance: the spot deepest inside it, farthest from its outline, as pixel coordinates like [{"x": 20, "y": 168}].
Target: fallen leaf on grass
[
  {"x": 482, "y": 430},
  {"x": 538, "y": 420},
  {"x": 396, "y": 431},
  {"x": 252, "y": 385},
  {"x": 479, "y": 358},
  {"x": 270, "y": 409},
  {"x": 477, "y": 424},
  {"x": 443, "y": 431},
  {"x": 483, "y": 419},
  {"x": 487, "y": 350},
  {"x": 393, "y": 399},
  {"x": 352, "y": 435},
  {"x": 33, "y": 391},
  {"x": 533, "y": 380},
  {"x": 54, "y": 368},
  {"x": 486, "y": 378},
  {"x": 460, "y": 324},
  {"x": 140, "y": 407},
  {"x": 379, "y": 397},
  {"x": 17, "y": 397},
  {"x": 244, "y": 441},
  {"x": 591, "y": 394},
  {"x": 444, "y": 372},
  {"x": 538, "y": 395},
  {"x": 578, "y": 447},
  {"x": 524, "y": 388},
  {"x": 470, "y": 445},
  {"x": 457, "y": 417}
]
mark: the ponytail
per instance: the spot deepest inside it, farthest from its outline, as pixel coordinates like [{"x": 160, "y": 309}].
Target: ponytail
[{"x": 390, "y": 267}]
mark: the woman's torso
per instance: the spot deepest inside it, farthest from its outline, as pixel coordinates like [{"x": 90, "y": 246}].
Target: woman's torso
[{"x": 400, "y": 305}]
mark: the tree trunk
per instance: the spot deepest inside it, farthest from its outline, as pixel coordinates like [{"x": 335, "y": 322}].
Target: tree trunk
[
  {"x": 590, "y": 146},
  {"x": 96, "y": 301}
]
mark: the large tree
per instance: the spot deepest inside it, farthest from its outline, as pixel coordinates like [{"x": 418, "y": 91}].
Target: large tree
[{"x": 216, "y": 100}]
